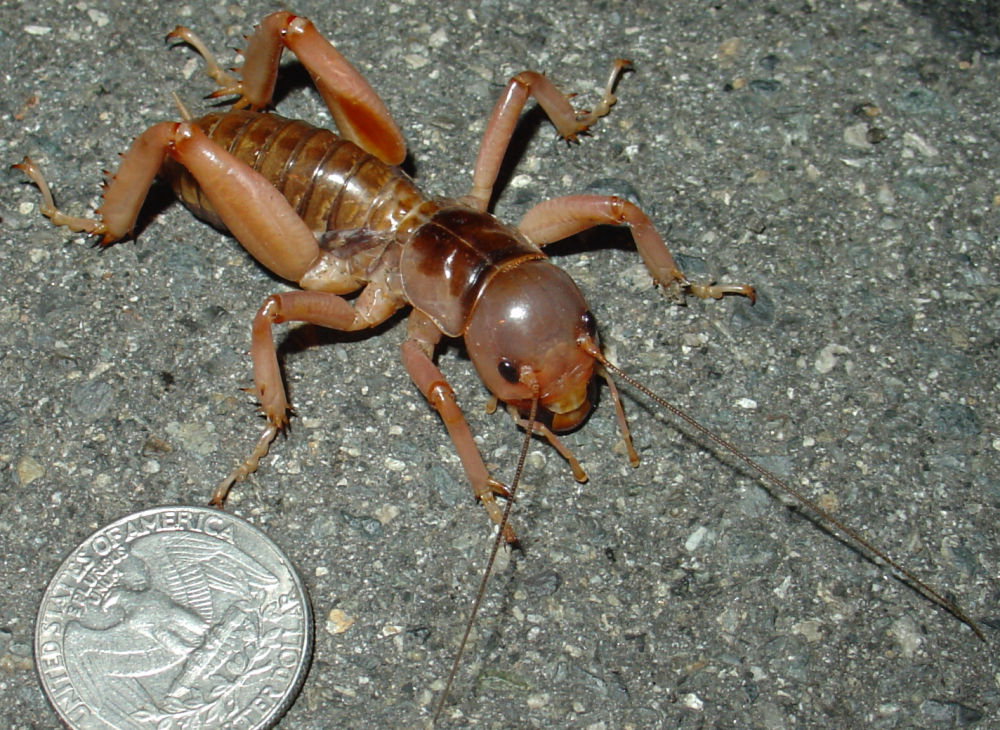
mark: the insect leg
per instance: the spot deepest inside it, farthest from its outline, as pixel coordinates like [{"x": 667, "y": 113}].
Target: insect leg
[
  {"x": 556, "y": 219},
  {"x": 416, "y": 353},
  {"x": 48, "y": 207},
  {"x": 568, "y": 122},
  {"x": 228, "y": 84},
  {"x": 542, "y": 430},
  {"x": 123, "y": 194},
  {"x": 318, "y": 308},
  {"x": 252, "y": 209},
  {"x": 360, "y": 115}
]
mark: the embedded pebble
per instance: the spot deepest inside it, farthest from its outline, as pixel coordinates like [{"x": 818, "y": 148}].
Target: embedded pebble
[
  {"x": 857, "y": 136},
  {"x": 692, "y": 702},
  {"x": 827, "y": 358},
  {"x": 538, "y": 701},
  {"x": 386, "y": 513},
  {"x": 809, "y": 630},
  {"x": 695, "y": 539},
  {"x": 438, "y": 39},
  {"x": 93, "y": 399},
  {"x": 906, "y": 632},
  {"x": 28, "y": 470},
  {"x": 99, "y": 19},
  {"x": 917, "y": 142},
  {"x": 394, "y": 464},
  {"x": 196, "y": 438},
  {"x": 636, "y": 278},
  {"x": 338, "y": 622}
]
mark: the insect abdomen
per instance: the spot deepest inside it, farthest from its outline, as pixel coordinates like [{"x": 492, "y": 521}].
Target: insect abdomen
[{"x": 330, "y": 182}]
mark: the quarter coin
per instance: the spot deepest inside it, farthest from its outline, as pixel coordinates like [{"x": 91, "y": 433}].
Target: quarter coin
[{"x": 174, "y": 617}]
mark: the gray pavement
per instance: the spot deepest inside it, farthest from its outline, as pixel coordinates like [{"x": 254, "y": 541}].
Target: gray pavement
[{"x": 844, "y": 158}]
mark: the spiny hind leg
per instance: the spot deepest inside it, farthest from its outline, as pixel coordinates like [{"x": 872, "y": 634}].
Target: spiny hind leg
[
  {"x": 252, "y": 209},
  {"x": 124, "y": 192},
  {"x": 48, "y": 207},
  {"x": 569, "y": 123},
  {"x": 360, "y": 115}
]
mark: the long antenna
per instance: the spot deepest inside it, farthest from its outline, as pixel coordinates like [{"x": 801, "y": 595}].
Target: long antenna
[
  {"x": 873, "y": 553},
  {"x": 529, "y": 430}
]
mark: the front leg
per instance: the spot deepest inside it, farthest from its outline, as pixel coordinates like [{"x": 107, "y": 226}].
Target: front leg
[
  {"x": 559, "y": 218},
  {"x": 416, "y": 353}
]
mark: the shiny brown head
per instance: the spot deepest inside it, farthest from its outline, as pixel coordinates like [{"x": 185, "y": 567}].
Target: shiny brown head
[{"x": 531, "y": 324}]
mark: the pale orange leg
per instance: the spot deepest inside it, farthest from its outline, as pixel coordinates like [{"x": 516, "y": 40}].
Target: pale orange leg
[
  {"x": 416, "y": 354},
  {"x": 265, "y": 224},
  {"x": 559, "y": 218},
  {"x": 568, "y": 122},
  {"x": 252, "y": 209},
  {"x": 48, "y": 207},
  {"x": 318, "y": 308},
  {"x": 360, "y": 115},
  {"x": 123, "y": 195},
  {"x": 228, "y": 84}
]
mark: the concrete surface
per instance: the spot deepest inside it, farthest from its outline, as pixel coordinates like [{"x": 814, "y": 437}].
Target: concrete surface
[{"x": 841, "y": 157}]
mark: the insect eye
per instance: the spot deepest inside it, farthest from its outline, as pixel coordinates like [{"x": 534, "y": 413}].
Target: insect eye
[
  {"x": 507, "y": 371},
  {"x": 589, "y": 324}
]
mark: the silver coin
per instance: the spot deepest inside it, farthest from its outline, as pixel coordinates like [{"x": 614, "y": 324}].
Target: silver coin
[{"x": 173, "y": 618}]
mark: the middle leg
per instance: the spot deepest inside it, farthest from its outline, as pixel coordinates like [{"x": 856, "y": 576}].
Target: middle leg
[
  {"x": 568, "y": 122},
  {"x": 318, "y": 308}
]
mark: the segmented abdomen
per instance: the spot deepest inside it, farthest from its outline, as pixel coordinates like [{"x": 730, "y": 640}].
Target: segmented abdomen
[{"x": 331, "y": 183}]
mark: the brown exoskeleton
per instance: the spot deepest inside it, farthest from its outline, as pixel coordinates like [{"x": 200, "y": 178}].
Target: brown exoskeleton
[{"x": 335, "y": 215}]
